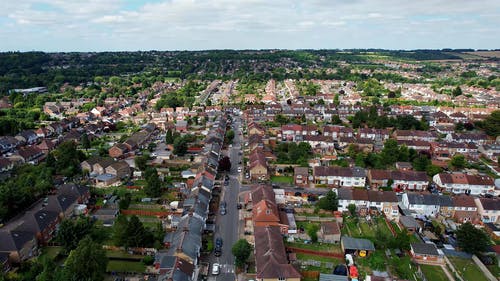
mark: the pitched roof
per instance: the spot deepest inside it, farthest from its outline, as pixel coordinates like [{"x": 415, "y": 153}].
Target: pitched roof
[
  {"x": 270, "y": 254},
  {"x": 330, "y": 228}
]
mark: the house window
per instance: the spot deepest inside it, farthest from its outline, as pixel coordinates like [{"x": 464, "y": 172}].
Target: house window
[{"x": 281, "y": 278}]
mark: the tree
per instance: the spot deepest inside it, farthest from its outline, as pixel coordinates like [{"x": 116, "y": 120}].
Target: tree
[
  {"x": 471, "y": 239},
  {"x": 457, "y": 91},
  {"x": 329, "y": 201},
  {"x": 119, "y": 234},
  {"x": 241, "y": 251},
  {"x": 72, "y": 231},
  {"x": 68, "y": 159},
  {"x": 229, "y": 136},
  {"x": 312, "y": 231},
  {"x": 352, "y": 209},
  {"x": 421, "y": 162},
  {"x": 84, "y": 140},
  {"x": 153, "y": 184},
  {"x": 390, "y": 152},
  {"x": 225, "y": 164},
  {"x": 141, "y": 161},
  {"x": 137, "y": 235},
  {"x": 491, "y": 124},
  {"x": 180, "y": 146},
  {"x": 169, "y": 137},
  {"x": 87, "y": 262},
  {"x": 458, "y": 161}
]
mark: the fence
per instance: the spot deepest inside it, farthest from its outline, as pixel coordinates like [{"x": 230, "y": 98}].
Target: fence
[{"x": 310, "y": 274}]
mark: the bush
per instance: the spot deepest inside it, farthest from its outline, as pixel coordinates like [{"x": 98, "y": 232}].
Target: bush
[{"x": 148, "y": 260}]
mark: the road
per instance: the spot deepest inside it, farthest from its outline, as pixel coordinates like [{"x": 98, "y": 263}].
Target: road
[{"x": 227, "y": 225}]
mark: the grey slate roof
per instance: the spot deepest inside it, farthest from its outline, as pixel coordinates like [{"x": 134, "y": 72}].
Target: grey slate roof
[
  {"x": 424, "y": 249},
  {"x": 408, "y": 221},
  {"x": 430, "y": 199},
  {"x": 357, "y": 243}
]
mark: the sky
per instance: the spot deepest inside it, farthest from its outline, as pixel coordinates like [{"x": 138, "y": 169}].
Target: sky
[{"x": 132, "y": 25}]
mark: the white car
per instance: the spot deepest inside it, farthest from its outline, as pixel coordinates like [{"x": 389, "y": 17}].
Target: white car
[
  {"x": 215, "y": 269},
  {"x": 239, "y": 169}
]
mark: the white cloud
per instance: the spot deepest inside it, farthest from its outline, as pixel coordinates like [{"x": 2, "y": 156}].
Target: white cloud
[{"x": 183, "y": 24}]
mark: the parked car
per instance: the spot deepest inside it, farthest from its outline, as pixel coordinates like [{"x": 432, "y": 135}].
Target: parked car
[
  {"x": 218, "y": 242},
  {"x": 215, "y": 269},
  {"x": 239, "y": 206},
  {"x": 239, "y": 170},
  {"x": 222, "y": 211}
]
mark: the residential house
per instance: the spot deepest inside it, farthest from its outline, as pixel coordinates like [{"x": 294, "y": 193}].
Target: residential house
[
  {"x": 27, "y": 137},
  {"x": 384, "y": 202},
  {"x": 340, "y": 176},
  {"x": 19, "y": 245},
  {"x": 301, "y": 176},
  {"x": 428, "y": 204},
  {"x": 270, "y": 256},
  {"x": 258, "y": 168},
  {"x": 465, "y": 209},
  {"x": 488, "y": 209},
  {"x": 463, "y": 183},
  {"x": 119, "y": 169},
  {"x": 426, "y": 253},
  {"x": 406, "y": 135},
  {"x": 6, "y": 165},
  {"x": 491, "y": 151},
  {"x": 329, "y": 232},
  {"x": 30, "y": 154},
  {"x": 118, "y": 150}
]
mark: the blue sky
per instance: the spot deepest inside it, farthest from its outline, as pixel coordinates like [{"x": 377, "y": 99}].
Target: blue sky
[{"x": 130, "y": 25}]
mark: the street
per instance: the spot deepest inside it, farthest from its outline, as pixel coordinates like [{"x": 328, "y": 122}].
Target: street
[{"x": 227, "y": 225}]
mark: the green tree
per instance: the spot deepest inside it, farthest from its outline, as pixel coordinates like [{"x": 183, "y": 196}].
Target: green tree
[
  {"x": 84, "y": 140},
  {"x": 68, "y": 159},
  {"x": 457, "y": 91},
  {"x": 329, "y": 202},
  {"x": 229, "y": 136},
  {"x": 180, "y": 146},
  {"x": 141, "y": 161},
  {"x": 137, "y": 235},
  {"x": 241, "y": 251},
  {"x": 87, "y": 262},
  {"x": 312, "y": 231},
  {"x": 225, "y": 164},
  {"x": 72, "y": 231},
  {"x": 390, "y": 152},
  {"x": 153, "y": 184},
  {"x": 458, "y": 161},
  {"x": 352, "y": 209},
  {"x": 421, "y": 162},
  {"x": 491, "y": 124},
  {"x": 471, "y": 239},
  {"x": 119, "y": 235},
  {"x": 169, "y": 137}
]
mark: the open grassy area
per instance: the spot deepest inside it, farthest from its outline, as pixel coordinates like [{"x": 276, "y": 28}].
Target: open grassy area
[
  {"x": 433, "y": 272},
  {"x": 467, "y": 269},
  {"x": 125, "y": 266},
  {"x": 323, "y": 268},
  {"x": 365, "y": 229},
  {"x": 282, "y": 179},
  {"x": 322, "y": 247},
  {"x": 51, "y": 252}
]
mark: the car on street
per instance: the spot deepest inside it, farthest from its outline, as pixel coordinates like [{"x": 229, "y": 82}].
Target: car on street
[
  {"x": 239, "y": 206},
  {"x": 222, "y": 211},
  {"x": 218, "y": 242},
  {"x": 218, "y": 252},
  {"x": 239, "y": 169},
  {"x": 223, "y": 204},
  {"x": 215, "y": 269}
]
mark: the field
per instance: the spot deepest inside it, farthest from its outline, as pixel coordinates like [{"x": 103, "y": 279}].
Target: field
[
  {"x": 467, "y": 269},
  {"x": 433, "y": 272},
  {"x": 125, "y": 266}
]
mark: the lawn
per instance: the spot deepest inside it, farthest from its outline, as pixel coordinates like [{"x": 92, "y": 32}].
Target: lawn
[
  {"x": 367, "y": 229},
  {"x": 321, "y": 247},
  {"x": 282, "y": 179},
  {"x": 467, "y": 269},
  {"x": 125, "y": 266},
  {"x": 323, "y": 268},
  {"x": 434, "y": 273},
  {"x": 51, "y": 252}
]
